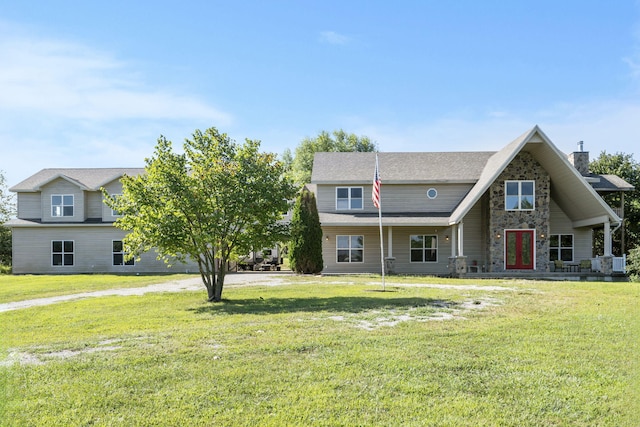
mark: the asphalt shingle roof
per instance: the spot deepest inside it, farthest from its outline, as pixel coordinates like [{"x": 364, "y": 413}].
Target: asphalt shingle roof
[
  {"x": 358, "y": 167},
  {"x": 91, "y": 178}
]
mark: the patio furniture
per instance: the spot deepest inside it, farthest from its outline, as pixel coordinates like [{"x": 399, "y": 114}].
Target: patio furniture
[
  {"x": 559, "y": 265},
  {"x": 585, "y": 264}
]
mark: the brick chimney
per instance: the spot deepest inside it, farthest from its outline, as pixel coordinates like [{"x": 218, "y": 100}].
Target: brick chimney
[{"x": 580, "y": 159}]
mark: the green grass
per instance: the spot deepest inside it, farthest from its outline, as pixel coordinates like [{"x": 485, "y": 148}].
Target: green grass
[
  {"x": 20, "y": 288},
  {"x": 325, "y": 351}
]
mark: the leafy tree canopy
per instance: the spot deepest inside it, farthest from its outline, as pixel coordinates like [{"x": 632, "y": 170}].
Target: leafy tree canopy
[
  {"x": 7, "y": 209},
  {"x": 302, "y": 160},
  {"x": 624, "y": 166},
  {"x": 7, "y": 204},
  {"x": 216, "y": 199}
]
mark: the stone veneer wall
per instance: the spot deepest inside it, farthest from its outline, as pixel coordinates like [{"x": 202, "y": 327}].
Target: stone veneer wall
[
  {"x": 580, "y": 161},
  {"x": 523, "y": 167}
]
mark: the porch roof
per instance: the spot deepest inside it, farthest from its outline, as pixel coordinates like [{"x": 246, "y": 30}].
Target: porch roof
[{"x": 388, "y": 219}]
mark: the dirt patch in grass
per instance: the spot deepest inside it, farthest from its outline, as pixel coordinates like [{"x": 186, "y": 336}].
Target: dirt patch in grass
[
  {"x": 27, "y": 358},
  {"x": 437, "y": 311}
]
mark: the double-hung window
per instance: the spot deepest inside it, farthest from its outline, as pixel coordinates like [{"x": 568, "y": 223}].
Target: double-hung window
[
  {"x": 349, "y": 198},
  {"x": 350, "y": 248},
  {"x": 62, "y": 205},
  {"x": 62, "y": 252},
  {"x": 119, "y": 254},
  {"x": 519, "y": 195},
  {"x": 424, "y": 248},
  {"x": 561, "y": 247}
]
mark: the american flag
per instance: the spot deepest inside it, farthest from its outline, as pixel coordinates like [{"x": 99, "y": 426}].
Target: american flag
[{"x": 375, "y": 193}]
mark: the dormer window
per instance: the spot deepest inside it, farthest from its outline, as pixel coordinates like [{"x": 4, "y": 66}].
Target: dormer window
[
  {"x": 348, "y": 198},
  {"x": 519, "y": 195},
  {"x": 62, "y": 205},
  {"x": 113, "y": 211}
]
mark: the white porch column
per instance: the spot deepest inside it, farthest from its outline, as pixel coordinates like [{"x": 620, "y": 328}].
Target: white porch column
[
  {"x": 607, "y": 238},
  {"x": 454, "y": 239},
  {"x": 390, "y": 241},
  {"x": 461, "y": 239}
]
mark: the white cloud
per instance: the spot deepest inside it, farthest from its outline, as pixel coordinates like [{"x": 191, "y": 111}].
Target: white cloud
[
  {"x": 69, "y": 80},
  {"x": 332, "y": 37},
  {"x": 63, "y": 104},
  {"x": 611, "y": 126}
]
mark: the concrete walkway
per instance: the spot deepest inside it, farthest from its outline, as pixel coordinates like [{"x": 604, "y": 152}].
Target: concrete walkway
[{"x": 192, "y": 284}]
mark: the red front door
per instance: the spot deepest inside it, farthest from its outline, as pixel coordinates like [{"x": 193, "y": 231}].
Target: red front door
[{"x": 519, "y": 249}]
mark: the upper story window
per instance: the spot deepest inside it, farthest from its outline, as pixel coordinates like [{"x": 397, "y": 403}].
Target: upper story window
[
  {"x": 349, "y": 198},
  {"x": 519, "y": 195},
  {"x": 62, "y": 205},
  {"x": 113, "y": 211}
]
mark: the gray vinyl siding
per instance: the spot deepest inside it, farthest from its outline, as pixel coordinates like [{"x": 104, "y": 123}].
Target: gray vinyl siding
[
  {"x": 400, "y": 246},
  {"x": 402, "y": 250},
  {"x": 582, "y": 237},
  {"x": 371, "y": 255},
  {"x": 92, "y": 252},
  {"x": 398, "y": 198},
  {"x": 93, "y": 204},
  {"x": 413, "y": 198},
  {"x": 62, "y": 186},
  {"x": 113, "y": 188},
  {"x": 29, "y": 205},
  {"x": 474, "y": 231}
]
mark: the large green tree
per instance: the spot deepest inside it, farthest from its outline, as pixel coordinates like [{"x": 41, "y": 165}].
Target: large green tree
[
  {"x": 216, "y": 199},
  {"x": 7, "y": 209},
  {"x": 305, "y": 249},
  {"x": 624, "y": 166},
  {"x": 339, "y": 140}
]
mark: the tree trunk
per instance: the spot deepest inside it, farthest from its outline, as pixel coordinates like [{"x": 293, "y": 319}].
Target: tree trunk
[{"x": 222, "y": 271}]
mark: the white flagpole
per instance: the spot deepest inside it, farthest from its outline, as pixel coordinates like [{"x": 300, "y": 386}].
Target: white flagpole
[
  {"x": 380, "y": 223},
  {"x": 381, "y": 247}
]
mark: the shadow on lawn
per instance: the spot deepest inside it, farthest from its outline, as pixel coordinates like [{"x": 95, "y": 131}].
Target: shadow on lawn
[{"x": 331, "y": 304}]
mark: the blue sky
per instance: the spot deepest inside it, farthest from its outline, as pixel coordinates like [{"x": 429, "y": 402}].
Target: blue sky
[{"x": 93, "y": 84}]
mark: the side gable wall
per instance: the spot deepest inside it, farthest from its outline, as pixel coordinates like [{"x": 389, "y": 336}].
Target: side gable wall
[{"x": 29, "y": 206}]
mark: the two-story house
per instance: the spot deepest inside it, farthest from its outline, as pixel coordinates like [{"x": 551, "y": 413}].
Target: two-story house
[
  {"x": 515, "y": 210},
  {"x": 63, "y": 225}
]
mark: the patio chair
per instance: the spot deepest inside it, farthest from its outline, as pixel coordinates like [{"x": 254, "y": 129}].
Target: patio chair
[
  {"x": 585, "y": 264},
  {"x": 559, "y": 265}
]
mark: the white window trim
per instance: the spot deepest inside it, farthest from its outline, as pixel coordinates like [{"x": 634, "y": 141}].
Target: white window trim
[
  {"x": 63, "y": 253},
  {"x": 423, "y": 249},
  {"x": 349, "y": 249},
  {"x": 62, "y": 196},
  {"x": 560, "y": 247},
  {"x": 123, "y": 253},
  {"x": 113, "y": 211},
  {"x": 519, "y": 182},
  {"x": 349, "y": 199}
]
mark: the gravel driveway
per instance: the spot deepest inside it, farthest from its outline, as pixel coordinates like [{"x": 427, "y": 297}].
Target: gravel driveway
[{"x": 192, "y": 284}]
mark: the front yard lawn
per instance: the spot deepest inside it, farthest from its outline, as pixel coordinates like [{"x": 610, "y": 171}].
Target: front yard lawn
[{"x": 330, "y": 351}]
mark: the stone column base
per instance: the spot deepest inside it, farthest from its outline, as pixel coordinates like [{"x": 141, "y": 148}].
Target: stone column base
[
  {"x": 606, "y": 265},
  {"x": 390, "y": 265},
  {"x": 457, "y": 265}
]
